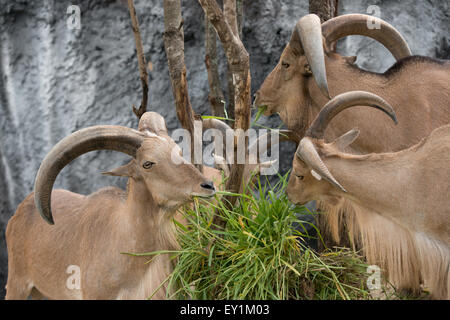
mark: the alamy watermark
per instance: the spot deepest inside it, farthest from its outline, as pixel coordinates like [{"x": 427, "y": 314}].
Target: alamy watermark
[
  {"x": 229, "y": 147},
  {"x": 74, "y": 19},
  {"x": 374, "y": 22},
  {"x": 73, "y": 282},
  {"x": 374, "y": 280}
]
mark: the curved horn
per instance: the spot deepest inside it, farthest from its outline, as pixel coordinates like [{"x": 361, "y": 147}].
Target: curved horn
[
  {"x": 221, "y": 164},
  {"x": 342, "y": 102},
  {"x": 358, "y": 24},
  {"x": 116, "y": 138},
  {"x": 308, "y": 153},
  {"x": 154, "y": 122},
  {"x": 212, "y": 123},
  {"x": 307, "y": 38}
]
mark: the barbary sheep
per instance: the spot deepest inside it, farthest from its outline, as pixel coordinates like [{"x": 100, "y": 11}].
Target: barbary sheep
[
  {"x": 410, "y": 188},
  {"x": 91, "y": 232}
]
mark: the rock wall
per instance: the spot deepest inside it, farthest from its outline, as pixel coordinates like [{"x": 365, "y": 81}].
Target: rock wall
[{"x": 54, "y": 80}]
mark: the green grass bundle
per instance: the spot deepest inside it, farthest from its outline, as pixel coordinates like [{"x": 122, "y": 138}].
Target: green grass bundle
[{"x": 259, "y": 254}]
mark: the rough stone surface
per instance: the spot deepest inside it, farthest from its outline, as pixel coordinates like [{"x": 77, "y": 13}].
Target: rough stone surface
[{"x": 54, "y": 80}]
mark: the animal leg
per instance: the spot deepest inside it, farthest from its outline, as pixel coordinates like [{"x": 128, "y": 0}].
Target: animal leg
[{"x": 17, "y": 289}]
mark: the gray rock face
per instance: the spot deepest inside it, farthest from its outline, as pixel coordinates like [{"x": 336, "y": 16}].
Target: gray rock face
[{"x": 54, "y": 80}]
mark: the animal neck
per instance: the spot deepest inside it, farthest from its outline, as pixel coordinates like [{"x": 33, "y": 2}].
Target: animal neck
[
  {"x": 150, "y": 223},
  {"x": 345, "y": 77},
  {"x": 342, "y": 78},
  {"x": 372, "y": 181}
]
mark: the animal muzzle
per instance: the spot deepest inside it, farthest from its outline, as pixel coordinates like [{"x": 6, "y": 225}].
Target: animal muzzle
[
  {"x": 257, "y": 101},
  {"x": 255, "y": 104},
  {"x": 207, "y": 190},
  {"x": 293, "y": 200},
  {"x": 208, "y": 185}
]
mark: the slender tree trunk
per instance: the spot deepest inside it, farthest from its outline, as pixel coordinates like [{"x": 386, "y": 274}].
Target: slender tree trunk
[
  {"x": 141, "y": 61},
  {"x": 240, "y": 16},
  {"x": 174, "y": 46},
  {"x": 216, "y": 97},
  {"x": 237, "y": 11},
  {"x": 325, "y": 9}
]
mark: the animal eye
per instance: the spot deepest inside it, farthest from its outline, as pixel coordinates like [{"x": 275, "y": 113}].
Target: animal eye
[
  {"x": 148, "y": 164},
  {"x": 285, "y": 64},
  {"x": 299, "y": 177}
]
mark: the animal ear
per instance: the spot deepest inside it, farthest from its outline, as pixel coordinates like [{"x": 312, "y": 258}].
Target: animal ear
[
  {"x": 346, "y": 139},
  {"x": 263, "y": 166},
  {"x": 351, "y": 59},
  {"x": 128, "y": 170},
  {"x": 267, "y": 164}
]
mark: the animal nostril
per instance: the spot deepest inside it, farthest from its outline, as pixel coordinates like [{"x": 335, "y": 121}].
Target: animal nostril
[{"x": 208, "y": 185}]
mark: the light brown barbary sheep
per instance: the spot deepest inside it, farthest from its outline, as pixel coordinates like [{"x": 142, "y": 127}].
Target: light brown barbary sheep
[
  {"x": 410, "y": 188},
  {"x": 91, "y": 232}
]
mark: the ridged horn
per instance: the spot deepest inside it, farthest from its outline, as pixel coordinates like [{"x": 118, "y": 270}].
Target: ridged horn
[
  {"x": 307, "y": 38},
  {"x": 357, "y": 24},
  {"x": 308, "y": 154},
  {"x": 104, "y": 137},
  {"x": 342, "y": 102},
  {"x": 212, "y": 123}
]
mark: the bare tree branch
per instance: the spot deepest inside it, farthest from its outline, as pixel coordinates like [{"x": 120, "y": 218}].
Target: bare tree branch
[
  {"x": 141, "y": 61},
  {"x": 240, "y": 16},
  {"x": 325, "y": 9},
  {"x": 230, "y": 89},
  {"x": 229, "y": 10},
  {"x": 174, "y": 46},
  {"x": 216, "y": 98},
  {"x": 229, "y": 6}
]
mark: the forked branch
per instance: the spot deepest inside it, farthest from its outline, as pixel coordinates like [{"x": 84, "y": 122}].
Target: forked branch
[{"x": 141, "y": 61}]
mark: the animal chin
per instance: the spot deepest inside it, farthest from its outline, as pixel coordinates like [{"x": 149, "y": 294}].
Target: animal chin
[
  {"x": 296, "y": 202},
  {"x": 300, "y": 203},
  {"x": 262, "y": 106},
  {"x": 202, "y": 195},
  {"x": 268, "y": 107},
  {"x": 294, "y": 124}
]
